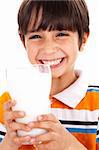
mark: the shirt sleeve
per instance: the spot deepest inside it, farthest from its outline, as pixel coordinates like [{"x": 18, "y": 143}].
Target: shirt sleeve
[
  {"x": 3, "y": 98},
  {"x": 2, "y": 132},
  {"x": 97, "y": 137}
]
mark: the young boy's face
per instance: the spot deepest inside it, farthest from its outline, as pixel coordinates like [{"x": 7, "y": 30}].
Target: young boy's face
[{"x": 59, "y": 49}]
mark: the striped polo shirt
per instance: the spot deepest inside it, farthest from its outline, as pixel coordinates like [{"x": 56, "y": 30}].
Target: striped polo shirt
[{"x": 77, "y": 108}]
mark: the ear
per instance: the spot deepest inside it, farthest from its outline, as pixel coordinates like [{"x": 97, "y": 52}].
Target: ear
[
  {"x": 84, "y": 40},
  {"x": 22, "y": 38}
]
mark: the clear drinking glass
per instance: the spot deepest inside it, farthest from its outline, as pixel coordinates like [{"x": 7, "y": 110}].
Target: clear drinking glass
[{"x": 30, "y": 87}]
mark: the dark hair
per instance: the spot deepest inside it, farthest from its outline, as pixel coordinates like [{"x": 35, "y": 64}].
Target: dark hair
[{"x": 71, "y": 15}]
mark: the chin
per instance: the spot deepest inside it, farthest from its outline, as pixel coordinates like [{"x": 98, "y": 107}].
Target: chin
[{"x": 57, "y": 74}]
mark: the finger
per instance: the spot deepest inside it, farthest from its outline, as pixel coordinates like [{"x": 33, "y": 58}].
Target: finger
[
  {"x": 44, "y": 138},
  {"x": 47, "y": 117},
  {"x": 9, "y": 116},
  {"x": 21, "y": 140},
  {"x": 14, "y": 126},
  {"x": 47, "y": 125},
  {"x": 18, "y": 140},
  {"x": 8, "y": 105}
]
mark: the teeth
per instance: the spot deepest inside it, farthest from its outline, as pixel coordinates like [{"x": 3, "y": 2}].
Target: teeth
[{"x": 52, "y": 62}]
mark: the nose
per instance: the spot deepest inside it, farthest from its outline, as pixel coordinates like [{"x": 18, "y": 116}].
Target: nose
[{"x": 50, "y": 46}]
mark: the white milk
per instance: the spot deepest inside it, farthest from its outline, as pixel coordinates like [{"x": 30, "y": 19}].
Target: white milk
[{"x": 30, "y": 88}]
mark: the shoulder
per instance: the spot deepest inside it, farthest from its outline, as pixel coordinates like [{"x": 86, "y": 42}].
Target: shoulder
[
  {"x": 92, "y": 97},
  {"x": 93, "y": 92}
]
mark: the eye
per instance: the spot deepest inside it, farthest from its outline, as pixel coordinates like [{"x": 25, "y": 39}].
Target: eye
[
  {"x": 35, "y": 37},
  {"x": 62, "y": 34}
]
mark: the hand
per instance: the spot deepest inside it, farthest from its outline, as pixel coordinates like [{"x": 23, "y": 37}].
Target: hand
[
  {"x": 11, "y": 140},
  {"x": 57, "y": 137}
]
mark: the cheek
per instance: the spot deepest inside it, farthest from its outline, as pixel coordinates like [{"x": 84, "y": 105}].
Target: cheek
[
  {"x": 72, "y": 51},
  {"x": 32, "y": 53},
  {"x": 74, "y": 55}
]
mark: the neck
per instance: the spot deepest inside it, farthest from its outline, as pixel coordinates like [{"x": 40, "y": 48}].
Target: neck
[{"x": 61, "y": 83}]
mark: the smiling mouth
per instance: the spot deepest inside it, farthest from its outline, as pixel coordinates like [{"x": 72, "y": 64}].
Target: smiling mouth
[{"x": 52, "y": 63}]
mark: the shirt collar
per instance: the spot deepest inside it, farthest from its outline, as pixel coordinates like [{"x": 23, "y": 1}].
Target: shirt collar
[{"x": 72, "y": 95}]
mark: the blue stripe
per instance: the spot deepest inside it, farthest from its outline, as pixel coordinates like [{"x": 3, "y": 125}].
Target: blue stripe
[
  {"x": 92, "y": 90},
  {"x": 80, "y": 130},
  {"x": 97, "y": 140}
]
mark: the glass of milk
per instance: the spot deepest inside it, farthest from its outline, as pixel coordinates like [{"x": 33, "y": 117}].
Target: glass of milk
[{"x": 30, "y": 87}]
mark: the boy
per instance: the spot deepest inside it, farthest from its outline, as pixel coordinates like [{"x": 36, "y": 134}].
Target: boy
[{"x": 53, "y": 32}]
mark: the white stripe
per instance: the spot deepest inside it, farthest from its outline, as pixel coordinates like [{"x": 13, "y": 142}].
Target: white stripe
[
  {"x": 94, "y": 88},
  {"x": 97, "y": 136},
  {"x": 1, "y": 136},
  {"x": 98, "y": 125},
  {"x": 2, "y": 128},
  {"x": 80, "y": 126},
  {"x": 75, "y": 115}
]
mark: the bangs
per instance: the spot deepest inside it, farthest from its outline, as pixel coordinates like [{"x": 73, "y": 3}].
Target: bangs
[
  {"x": 71, "y": 15},
  {"x": 52, "y": 15}
]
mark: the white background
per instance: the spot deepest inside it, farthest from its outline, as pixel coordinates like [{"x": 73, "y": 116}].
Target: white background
[{"x": 13, "y": 54}]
